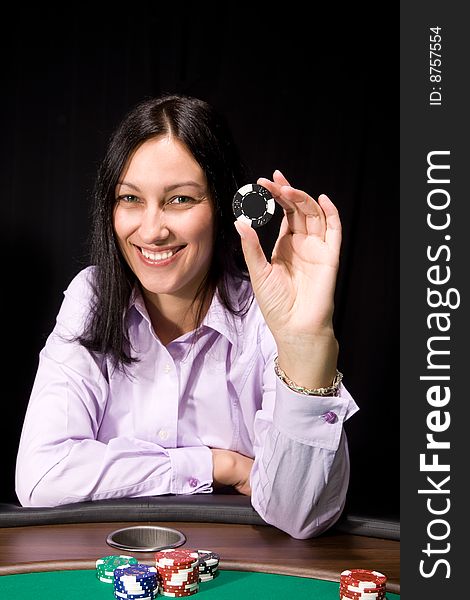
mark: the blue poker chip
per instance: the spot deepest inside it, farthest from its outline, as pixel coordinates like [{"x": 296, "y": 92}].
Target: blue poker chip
[
  {"x": 253, "y": 204},
  {"x": 143, "y": 583},
  {"x": 136, "y": 572},
  {"x": 123, "y": 596},
  {"x": 150, "y": 596},
  {"x": 135, "y": 595},
  {"x": 137, "y": 589}
]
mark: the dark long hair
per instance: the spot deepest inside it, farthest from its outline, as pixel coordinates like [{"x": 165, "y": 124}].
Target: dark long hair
[{"x": 205, "y": 133}]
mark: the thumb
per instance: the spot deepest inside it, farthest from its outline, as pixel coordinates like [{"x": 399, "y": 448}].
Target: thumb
[{"x": 255, "y": 259}]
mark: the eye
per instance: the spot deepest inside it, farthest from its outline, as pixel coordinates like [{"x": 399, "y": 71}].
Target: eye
[
  {"x": 181, "y": 200},
  {"x": 127, "y": 198}
]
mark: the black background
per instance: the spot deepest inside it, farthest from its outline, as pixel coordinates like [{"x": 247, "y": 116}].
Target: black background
[{"x": 314, "y": 94}]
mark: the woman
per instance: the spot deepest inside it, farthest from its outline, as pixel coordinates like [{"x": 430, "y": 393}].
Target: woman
[{"x": 170, "y": 370}]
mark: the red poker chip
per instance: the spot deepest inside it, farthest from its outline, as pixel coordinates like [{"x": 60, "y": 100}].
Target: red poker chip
[
  {"x": 181, "y": 586},
  {"x": 178, "y": 583},
  {"x": 177, "y": 594},
  {"x": 171, "y": 569},
  {"x": 178, "y": 570},
  {"x": 176, "y": 558},
  {"x": 165, "y": 582},
  {"x": 353, "y": 596},
  {"x": 175, "y": 576},
  {"x": 355, "y": 590},
  {"x": 176, "y": 563},
  {"x": 361, "y": 576},
  {"x": 353, "y": 587},
  {"x": 360, "y": 596},
  {"x": 364, "y": 585},
  {"x": 180, "y": 589},
  {"x": 343, "y": 595},
  {"x": 189, "y": 568},
  {"x": 360, "y": 593},
  {"x": 177, "y": 553}
]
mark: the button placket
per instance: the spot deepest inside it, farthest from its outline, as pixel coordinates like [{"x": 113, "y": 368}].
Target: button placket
[{"x": 166, "y": 434}]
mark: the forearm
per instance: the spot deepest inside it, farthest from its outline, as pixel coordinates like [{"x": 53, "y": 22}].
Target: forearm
[
  {"x": 232, "y": 469},
  {"x": 301, "y": 471},
  {"x": 80, "y": 470},
  {"x": 309, "y": 362},
  {"x": 301, "y": 490}
]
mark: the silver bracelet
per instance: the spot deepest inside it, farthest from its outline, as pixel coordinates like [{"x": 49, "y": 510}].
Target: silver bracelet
[{"x": 331, "y": 390}]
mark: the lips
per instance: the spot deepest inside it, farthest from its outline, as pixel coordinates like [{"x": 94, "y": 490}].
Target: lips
[{"x": 161, "y": 257}]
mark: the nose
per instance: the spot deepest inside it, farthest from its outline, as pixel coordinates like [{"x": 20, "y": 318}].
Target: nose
[{"x": 153, "y": 227}]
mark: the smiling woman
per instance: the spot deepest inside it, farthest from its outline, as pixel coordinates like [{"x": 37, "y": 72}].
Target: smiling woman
[
  {"x": 183, "y": 360},
  {"x": 163, "y": 228}
]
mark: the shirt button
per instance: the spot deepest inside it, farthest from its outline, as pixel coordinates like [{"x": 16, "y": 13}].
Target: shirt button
[
  {"x": 163, "y": 434},
  {"x": 167, "y": 368},
  {"x": 330, "y": 417},
  {"x": 193, "y": 482}
]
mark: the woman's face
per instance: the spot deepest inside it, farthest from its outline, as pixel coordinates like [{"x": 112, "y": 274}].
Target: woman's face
[{"x": 163, "y": 218}]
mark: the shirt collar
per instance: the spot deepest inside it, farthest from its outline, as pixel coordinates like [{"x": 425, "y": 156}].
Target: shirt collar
[{"x": 217, "y": 318}]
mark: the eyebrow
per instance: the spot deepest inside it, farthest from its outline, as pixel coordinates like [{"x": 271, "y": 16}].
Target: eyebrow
[
  {"x": 174, "y": 186},
  {"x": 167, "y": 188}
]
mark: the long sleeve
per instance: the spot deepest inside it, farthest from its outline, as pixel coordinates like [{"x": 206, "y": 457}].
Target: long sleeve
[
  {"x": 301, "y": 472},
  {"x": 77, "y": 444},
  {"x": 60, "y": 460}
]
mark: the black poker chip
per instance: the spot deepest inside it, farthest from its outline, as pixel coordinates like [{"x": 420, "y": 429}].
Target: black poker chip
[{"x": 253, "y": 204}]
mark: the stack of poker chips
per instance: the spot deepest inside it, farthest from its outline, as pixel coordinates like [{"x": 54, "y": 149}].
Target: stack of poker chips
[
  {"x": 178, "y": 572},
  {"x": 362, "y": 584},
  {"x": 106, "y": 565},
  {"x": 208, "y": 564},
  {"x": 135, "y": 582}
]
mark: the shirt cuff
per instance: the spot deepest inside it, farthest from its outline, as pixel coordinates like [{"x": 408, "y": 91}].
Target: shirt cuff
[
  {"x": 312, "y": 420},
  {"x": 191, "y": 470}
]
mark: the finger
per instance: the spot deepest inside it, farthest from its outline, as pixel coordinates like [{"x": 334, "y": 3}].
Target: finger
[
  {"x": 278, "y": 177},
  {"x": 295, "y": 219},
  {"x": 303, "y": 213},
  {"x": 285, "y": 228},
  {"x": 255, "y": 259},
  {"x": 308, "y": 217},
  {"x": 275, "y": 189},
  {"x": 333, "y": 222}
]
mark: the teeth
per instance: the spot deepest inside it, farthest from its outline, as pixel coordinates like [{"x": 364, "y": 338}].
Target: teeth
[{"x": 156, "y": 256}]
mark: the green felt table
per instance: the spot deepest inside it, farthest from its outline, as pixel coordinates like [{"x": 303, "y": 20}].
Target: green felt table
[
  {"x": 227, "y": 585},
  {"x": 58, "y": 561}
]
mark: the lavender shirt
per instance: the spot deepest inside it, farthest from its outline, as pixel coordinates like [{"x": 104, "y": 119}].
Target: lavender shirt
[{"x": 91, "y": 432}]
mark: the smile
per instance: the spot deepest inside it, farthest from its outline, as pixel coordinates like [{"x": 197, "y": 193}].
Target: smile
[{"x": 154, "y": 258}]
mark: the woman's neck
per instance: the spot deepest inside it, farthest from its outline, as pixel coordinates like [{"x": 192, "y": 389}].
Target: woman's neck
[{"x": 173, "y": 316}]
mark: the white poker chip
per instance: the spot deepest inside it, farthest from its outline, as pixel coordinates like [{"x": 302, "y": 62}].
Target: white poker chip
[{"x": 253, "y": 204}]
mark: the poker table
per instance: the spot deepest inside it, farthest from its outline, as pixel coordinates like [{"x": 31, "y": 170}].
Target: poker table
[{"x": 43, "y": 558}]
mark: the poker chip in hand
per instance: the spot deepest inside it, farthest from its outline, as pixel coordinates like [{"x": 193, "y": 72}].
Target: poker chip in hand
[{"x": 253, "y": 204}]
